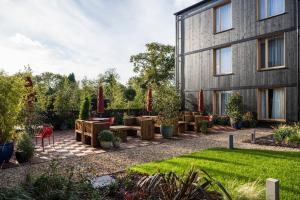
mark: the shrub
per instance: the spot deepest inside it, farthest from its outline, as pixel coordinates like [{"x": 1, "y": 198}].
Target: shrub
[
  {"x": 195, "y": 184},
  {"x": 106, "y": 135},
  {"x": 248, "y": 120},
  {"x": 25, "y": 145},
  {"x": 12, "y": 91},
  {"x": 283, "y": 132},
  {"x": 221, "y": 120},
  {"x": 52, "y": 185},
  {"x": 204, "y": 125},
  {"x": 249, "y": 191},
  {"x": 295, "y": 138},
  {"x": 234, "y": 107},
  {"x": 84, "y": 109},
  {"x": 166, "y": 102}
]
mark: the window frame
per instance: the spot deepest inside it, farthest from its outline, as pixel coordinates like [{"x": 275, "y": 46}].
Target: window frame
[
  {"x": 218, "y": 94},
  {"x": 220, "y": 58},
  {"x": 215, "y": 17},
  {"x": 259, "y": 92},
  {"x": 266, "y": 10},
  {"x": 258, "y": 51}
]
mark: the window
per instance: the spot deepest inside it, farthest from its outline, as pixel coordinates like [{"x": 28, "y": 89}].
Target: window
[
  {"x": 269, "y": 8},
  {"x": 222, "y": 61},
  {"x": 271, "y": 52},
  {"x": 223, "y": 18},
  {"x": 221, "y": 99},
  {"x": 271, "y": 104}
]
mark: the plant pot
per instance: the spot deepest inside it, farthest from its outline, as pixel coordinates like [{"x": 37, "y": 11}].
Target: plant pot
[
  {"x": 6, "y": 151},
  {"x": 21, "y": 157},
  {"x": 235, "y": 124},
  {"x": 166, "y": 131},
  {"x": 106, "y": 144}
]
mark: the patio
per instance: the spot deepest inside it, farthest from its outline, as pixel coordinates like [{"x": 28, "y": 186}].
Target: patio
[{"x": 98, "y": 162}]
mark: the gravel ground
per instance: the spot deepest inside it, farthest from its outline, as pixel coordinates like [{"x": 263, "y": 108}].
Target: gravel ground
[{"x": 111, "y": 162}]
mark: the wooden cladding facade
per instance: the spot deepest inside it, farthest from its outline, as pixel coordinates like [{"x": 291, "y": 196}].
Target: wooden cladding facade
[{"x": 195, "y": 58}]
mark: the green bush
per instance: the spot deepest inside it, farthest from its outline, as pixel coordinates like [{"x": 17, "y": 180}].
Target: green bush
[
  {"x": 234, "y": 107},
  {"x": 166, "y": 102},
  {"x": 106, "y": 135},
  {"x": 283, "y": 132},
  {"x": 52, "y": 185},
  {"x": 84, "y": 109},
  {"x": 25, "y": 145},
  {"x": 11, "y": 102},
  {"x": 248, "y": 120},
  {"x": 221, "y": 120},
  {"x": 203, "y": 126}
]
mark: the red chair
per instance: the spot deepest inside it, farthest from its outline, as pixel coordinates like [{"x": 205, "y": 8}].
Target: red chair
[
  {"x": 45, "y": 132},
  {"x": 111, "y": 121}
]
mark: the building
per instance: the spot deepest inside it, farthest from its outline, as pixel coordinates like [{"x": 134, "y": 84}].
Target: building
[{"x": 249, "y": 46}]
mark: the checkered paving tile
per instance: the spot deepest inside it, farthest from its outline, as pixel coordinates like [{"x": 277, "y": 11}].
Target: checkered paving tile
[{"x": 65, "y": 146}]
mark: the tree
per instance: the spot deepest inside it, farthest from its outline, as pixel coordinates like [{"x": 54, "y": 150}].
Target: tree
[
  {"x": 71, "y": 78},
  {"x": 84, "y": 109},
  {"x": 11, "y": 102},
  {"x": 156, "y": 65}
]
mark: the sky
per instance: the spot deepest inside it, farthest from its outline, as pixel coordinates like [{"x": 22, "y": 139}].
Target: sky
[{"x": 85, "y": 37}]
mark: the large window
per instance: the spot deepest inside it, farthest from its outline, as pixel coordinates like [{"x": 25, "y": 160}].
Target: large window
[
  {"x": 220, "y": 101},
  {"x": 269, "y": 8},
  {"x": 223, "y": 18},
  {"x": 271, "y": 104},
  {"x": 222, "y": 61},
  {"x": 271, "y": 52}
]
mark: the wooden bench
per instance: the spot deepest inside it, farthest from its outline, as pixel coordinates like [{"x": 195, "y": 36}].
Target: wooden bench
[
  {"x": 79, "y": 130},
  {"x": 145, "y": 130}
]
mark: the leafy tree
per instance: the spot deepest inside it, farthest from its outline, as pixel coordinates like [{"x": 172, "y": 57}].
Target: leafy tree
[
  {"x": 84, "y": 109},
  {"x": 66, "y": 103},
  {"x": 11, "y": 102},
  {"x": 71, "y": 78},
  {"x": 166, "y": 102},
  {"x": 156, "y": 65},
  {"x": 129, "y": 94}
]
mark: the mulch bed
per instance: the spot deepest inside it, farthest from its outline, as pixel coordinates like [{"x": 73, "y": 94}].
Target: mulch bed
[{"x": 270, "y": 141}]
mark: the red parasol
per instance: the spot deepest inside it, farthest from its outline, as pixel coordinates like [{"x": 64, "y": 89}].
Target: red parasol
[
  {"x": 149, "y": 100},
  {"x": 100, "y": 100},
  {"x": 200, "y": 101}
]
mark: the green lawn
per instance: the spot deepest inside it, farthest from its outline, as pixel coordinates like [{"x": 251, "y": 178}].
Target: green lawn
[{"x": 236, "y": 167}]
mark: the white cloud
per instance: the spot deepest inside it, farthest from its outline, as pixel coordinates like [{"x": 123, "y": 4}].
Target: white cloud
[{"x": 84, "y": 37}]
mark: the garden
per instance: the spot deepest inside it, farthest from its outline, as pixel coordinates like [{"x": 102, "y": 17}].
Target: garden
[{"x": 140, "y": 127}]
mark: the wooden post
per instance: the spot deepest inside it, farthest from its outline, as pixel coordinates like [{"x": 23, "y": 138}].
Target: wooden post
[
  {"x": 272, "y": 189},
  {"x": 253, "y": 137},
  {"x": 230, "y": 142}
]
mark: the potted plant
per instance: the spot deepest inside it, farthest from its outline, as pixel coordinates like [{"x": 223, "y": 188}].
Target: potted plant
[
  {"x": 166, "y": 102},
  {"x": 25, "y": 148},
  {"x": 106, "y": 139},
  {"x": 117, "y": 142},
  {"x": 11, "y": 102},
  {"x": 234, "y": 109}
]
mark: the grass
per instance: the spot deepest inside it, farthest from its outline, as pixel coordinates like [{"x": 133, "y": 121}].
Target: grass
[{"x": 234, "y": 168}]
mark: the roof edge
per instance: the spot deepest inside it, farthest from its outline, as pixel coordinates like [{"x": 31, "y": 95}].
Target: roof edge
[{"x": 191, "y": 7}]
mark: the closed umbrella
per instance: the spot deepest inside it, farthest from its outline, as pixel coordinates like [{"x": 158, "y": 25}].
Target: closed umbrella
[
  {"x": 200, "y": 101},
  {"x": 149, "y": 100},
  {"x": 100, "y": 100}
]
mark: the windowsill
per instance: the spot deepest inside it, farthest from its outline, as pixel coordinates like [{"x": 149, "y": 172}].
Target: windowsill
[
  {"x": 215, "y": 33},
  {"x": 273, "y": 120},
  {"x": 271, "y": 68},
  {"x": 217, "y": 75},
  {"x": 272, "y": 16}
]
